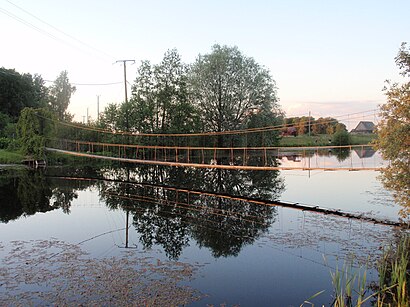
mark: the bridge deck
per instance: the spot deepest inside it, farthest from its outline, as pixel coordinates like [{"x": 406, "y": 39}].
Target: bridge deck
[{"x": 211, "y": 166}]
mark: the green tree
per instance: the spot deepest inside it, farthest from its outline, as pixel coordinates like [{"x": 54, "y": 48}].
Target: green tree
[
  {"x": 340, "y": 138},
  {"x": 18, "y": 91},
  {"x": 229, "y": 87},
  {"x": 394, "y": 134},
  {"x": 109, "y": 117},
  {"x": 160, "y": 98},
  {"x": 33, "y": 128},
  {"x": 60, "y": 95}
]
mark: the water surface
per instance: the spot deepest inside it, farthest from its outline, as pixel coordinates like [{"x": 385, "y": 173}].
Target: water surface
[{"x": 136, "y": 235}]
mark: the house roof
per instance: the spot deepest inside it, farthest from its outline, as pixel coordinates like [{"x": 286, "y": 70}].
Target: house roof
[{"x": 364, "y": 125}]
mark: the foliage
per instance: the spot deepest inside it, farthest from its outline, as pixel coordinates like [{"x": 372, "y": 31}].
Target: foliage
[
  {"x": 4, "y": 142},
  {"x": 159, "y": 102},
  {"x": 394, "y": 277},
  {"x": 18, "y": 91},
  {"x": 60, "y": 94},
  {"x": 160, "y": 98},
  {"x": 264, "y": 118},
  {"x": 33, "y": 127},
  {"x": 322, "y": 125},
  {"x": 228, "y": 88},
  {"x": 349, "y": 286},
  {"x": 10, "y": 157},
  {"x": 340, "y": 138},
  {"x": 394, "y": 134}
]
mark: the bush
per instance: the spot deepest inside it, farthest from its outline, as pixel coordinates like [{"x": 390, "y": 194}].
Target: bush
[
  {"x": 341, "y": 137},
  {"x": 4, "y": 143}
]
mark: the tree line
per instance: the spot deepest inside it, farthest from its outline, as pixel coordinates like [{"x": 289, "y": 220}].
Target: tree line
[
  {"x": 221, "y": 91},
  {"x": 309, "y": 125},
  {"x": 20, "y": 91}
]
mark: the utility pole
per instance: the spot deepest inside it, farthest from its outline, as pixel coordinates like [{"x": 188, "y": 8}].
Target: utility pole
[
  {"x": 98, "y": 107},
  {"x": 127, "y": 125},
  {"x": 87, "y": 116},
  {"x": 125, "y": 75},
  {"x": 309, "y": 123}
]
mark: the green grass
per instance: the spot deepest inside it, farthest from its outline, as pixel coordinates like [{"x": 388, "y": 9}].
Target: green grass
[
  {"x": 10, "y": 157},
  {"x": 322, "y": 140},
  {"x": 362, "y": 139}
]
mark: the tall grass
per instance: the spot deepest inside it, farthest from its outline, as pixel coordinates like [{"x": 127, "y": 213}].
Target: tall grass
[
  {"x": 394, "y": 275},
  {"x": 10, "y": 157},
  {"x": 350, "y": 287}
]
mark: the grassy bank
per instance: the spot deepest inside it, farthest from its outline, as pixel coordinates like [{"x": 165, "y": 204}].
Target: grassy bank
[
  {"x": 323, "y": 140},
  {"x": 10, "y": 157}
]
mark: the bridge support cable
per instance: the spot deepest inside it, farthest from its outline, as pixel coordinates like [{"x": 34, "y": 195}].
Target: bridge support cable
[{"x": 211, "y": 165}]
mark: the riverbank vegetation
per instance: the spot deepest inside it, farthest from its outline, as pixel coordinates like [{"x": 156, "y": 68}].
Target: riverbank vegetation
[
  {"x": 325, "y": 140},
  {"x": 10, "y": 157},
  {"x": 223, "y": 90},
  {"x": 352, "y": 289},
  {"x": 394, "y": 134}
]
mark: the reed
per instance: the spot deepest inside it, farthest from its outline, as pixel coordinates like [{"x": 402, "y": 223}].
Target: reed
[
  {"x": 350, "y": 285},
  {"x": 394, "y": 275}
]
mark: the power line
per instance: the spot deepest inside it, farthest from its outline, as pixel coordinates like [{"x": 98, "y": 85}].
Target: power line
[
  {"x": 21, "y": 20},
  {"x": 91, "y": 84},
  {"x": 46, "y": 33},
  {"x": 195, "y": 134},
  {"x": 60, "y": 31}
]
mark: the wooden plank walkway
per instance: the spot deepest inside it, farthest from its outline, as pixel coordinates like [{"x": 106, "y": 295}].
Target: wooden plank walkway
[{"x": 211, "y": 166}]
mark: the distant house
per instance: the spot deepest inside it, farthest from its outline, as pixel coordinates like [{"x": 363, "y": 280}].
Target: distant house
[
  {"x": 364, "y": 152},
  {"x": 364, "y": 127}
]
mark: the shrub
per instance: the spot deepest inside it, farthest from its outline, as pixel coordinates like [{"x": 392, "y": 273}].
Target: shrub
[
  {"x": 341, "y": 137},
  {"x": 4, "y": 143}
]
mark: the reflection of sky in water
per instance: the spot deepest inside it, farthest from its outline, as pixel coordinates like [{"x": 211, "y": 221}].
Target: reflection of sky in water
[
  {"x": 353, "y": 191},
  {"x": 359, "y": 157},
  {"x": 349, "y": 191},
  {"x": 289, "y": 256}
]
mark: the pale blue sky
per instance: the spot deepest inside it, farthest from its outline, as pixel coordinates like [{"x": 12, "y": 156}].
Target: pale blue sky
[{"x": 327, "y": 57}]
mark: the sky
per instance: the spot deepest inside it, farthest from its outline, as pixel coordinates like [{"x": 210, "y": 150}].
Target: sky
[{"x": 329, "y": 58}]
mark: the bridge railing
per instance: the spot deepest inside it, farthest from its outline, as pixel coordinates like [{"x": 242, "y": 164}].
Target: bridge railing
[{"x": 273, "y": 157}]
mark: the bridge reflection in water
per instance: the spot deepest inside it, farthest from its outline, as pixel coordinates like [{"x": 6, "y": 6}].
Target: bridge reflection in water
[{"x": 244, "y": 158}]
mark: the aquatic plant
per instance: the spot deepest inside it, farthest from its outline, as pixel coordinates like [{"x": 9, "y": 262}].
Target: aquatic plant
[
  {"x": 394, "y": 275},
  {"x": 349, "y": 286}
]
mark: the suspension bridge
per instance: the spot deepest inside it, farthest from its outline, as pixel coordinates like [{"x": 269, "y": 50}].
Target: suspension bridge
[{"x": 246, "y": 149}]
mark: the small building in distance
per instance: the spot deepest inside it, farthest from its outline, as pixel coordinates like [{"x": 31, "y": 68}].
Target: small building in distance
[{"x": 364, "y": 127}]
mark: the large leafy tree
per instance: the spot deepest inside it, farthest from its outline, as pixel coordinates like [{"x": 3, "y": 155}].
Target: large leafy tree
[
  {"x": 229, "y": 88},
  {"x": 160, "y": 96},
  {"x": 60, "y": 95},
  {"x": 394, "y": 133},
  {"x": 160, "y": 99},
  {"x": 18, "y": 91}
]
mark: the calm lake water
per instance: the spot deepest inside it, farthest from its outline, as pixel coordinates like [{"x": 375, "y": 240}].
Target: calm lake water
[{"x": 129, "y": 235}]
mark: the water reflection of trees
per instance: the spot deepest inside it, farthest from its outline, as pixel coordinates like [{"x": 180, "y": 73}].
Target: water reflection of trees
[
  {"x": 169, "y": 206},
  {"x": 26, "y": 192},
  {"x": 182, "y": 203}
]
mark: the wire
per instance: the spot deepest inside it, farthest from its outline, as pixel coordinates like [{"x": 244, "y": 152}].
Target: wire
[
  {"x": 91, "y": 84},
  {"x": 213, "y": 133},
  {"x": 42, "y": 31},
  {"x": 60, "y": 31},
  {"x": 15, "y": 17}
]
